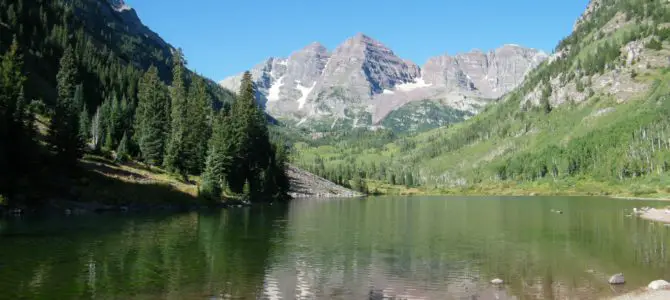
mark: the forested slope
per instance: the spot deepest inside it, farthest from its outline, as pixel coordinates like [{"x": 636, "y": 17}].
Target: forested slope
[{"x": 86, "y": 77}]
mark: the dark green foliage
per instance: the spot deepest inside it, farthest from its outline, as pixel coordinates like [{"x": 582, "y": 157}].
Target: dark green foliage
[
  {"x": 16, "y": 131},
  {"x": 654, "y": 44},
  {"x": 219, "y": 159},
  {"x": 419, "y": 116},
  {"x": 64, "y": 128},
  {"x": 198, "y": 112},
  {"x": 122, "y": 153},
  {"x": 84, "y": 124},
  {"x": 175, "y": 156},
  {"x": 151, "y": 118},
  {"x": 544, "y": 98},
  {"x": 251, "y": 138},
  {"x": 579, "y": 86},
  {"x": 241, "y": 157},
  {"x": 82, "y": 59}
]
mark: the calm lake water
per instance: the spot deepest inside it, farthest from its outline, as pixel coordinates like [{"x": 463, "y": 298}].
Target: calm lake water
[{"x": 374, "y": 248}]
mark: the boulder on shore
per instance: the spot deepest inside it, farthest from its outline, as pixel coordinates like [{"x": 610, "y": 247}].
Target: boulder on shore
[
  {"x": 617, "y": 279},
  {"x": 659, "y": 285}
]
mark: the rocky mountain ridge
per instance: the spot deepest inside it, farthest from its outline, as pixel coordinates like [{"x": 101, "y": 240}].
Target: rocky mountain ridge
[{"x": 363, "y": 80}]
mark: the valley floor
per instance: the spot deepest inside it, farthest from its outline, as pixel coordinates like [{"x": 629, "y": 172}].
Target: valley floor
[{"x": 649, "y": 188}]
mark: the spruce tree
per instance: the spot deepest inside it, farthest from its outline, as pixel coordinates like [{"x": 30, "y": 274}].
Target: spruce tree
[
  {"x": 219, "y": 158},
  {"x": 109, "y": 139},
  {"x": 198, "y": 129},
  {"x": 251, "y": 138},
  {"x": 280, "y": 172},
  {"x": 97, "y": 132},
  {"x": 64, "y": 127},
  {"x": 151, "y": 119},
  {"x": 176, "y": 155},
  {"x": 122, "y": 151},
  {"x": 84, "y": 120},
  {"x": 16, "y": 130}
]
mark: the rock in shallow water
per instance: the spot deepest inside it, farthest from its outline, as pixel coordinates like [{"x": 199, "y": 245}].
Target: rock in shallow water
[
  {"x": 659, "y": 285},
  {"x": 617, "y": 279}
]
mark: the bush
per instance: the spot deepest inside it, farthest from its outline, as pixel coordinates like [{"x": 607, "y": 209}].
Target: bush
[{"x": 654, "y": 44}]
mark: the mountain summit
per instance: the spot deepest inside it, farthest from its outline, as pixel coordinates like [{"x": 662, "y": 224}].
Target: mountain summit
[{"x": 362, "y": 80}]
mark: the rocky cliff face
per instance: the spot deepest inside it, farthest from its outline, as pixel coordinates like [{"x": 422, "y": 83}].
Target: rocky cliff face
[
  {"x": 363, "y": 80},
  {"x": 586, "y": 15},
  {"x": 488, "y": 75}
]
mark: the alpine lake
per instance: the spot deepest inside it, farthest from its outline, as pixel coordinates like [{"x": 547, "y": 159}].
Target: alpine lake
[{"x": 367, "y": 248}]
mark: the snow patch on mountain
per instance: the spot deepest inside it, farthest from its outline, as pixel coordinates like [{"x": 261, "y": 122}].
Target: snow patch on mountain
[
  {"x": 123, "y": 8},
  {"x": 305, "y": 93},
  {"x": 410, "y": 86},
  {"x": 119, "y": 5},
  {"x": 273, "y": 92}
]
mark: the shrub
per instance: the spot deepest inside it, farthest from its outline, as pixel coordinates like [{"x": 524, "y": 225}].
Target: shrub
[{"x": 654, "y": 44}]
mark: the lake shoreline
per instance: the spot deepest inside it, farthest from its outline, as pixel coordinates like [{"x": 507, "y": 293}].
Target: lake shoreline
[
  {"x": 103, "y": 185},
  {"x": 586, "y": 189},
  {"x": 644, "y": 294}
]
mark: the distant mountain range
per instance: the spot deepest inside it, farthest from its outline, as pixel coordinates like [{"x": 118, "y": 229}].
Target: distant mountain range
[{"x": 362, "y": 81}]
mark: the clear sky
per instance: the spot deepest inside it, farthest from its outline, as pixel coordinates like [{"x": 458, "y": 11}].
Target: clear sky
[{"x": 225, "y": 37}]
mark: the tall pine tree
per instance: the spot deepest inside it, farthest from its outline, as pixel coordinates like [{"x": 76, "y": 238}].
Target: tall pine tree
[
  {"x": 16, "y": 131},
  {"x": 64, "y": 127},
  {"x": 219, "y": 158},
  {"x": 84, "y": 121},
  {"x": 175, "y": 157},
  {"x": 151, "y": 119},
  {"x": 253, "y": 153},
  {"x": 199, "y": 109}
]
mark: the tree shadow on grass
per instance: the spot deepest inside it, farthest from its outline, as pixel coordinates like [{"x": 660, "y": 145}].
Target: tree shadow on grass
[
  {"x": 104, "y": 184},
  {"x": 112, "y": 191}
]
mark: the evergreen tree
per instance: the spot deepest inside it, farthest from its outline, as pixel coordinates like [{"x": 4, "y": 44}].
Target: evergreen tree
[
  {"x": 197, "y": 135},
  {"x": 109, "y": 139},
  {"x": 113, "y": 122},
  {"x": 544, "y": 99},
  {"x": 16, "y": 143},
  {"x": 97, "y": 131},
  {"x": 64, "y": 128},
  {"x": 281, "y": 178},
  {"x": 251, "y": 138},
  {"x": 84, "y": 120},
  {"x": 151, "y": 119},
  {"x": 122, "y": 151},
  {"x": 219, "y": 158},
  {"x": 175, "y": 157}
]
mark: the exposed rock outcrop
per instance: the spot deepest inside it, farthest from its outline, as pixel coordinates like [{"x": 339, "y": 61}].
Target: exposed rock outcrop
[{"x": 308, "y": 185}]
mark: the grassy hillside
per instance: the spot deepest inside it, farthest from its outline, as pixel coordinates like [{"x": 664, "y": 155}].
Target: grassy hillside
[{"x": 593, "y": 119}]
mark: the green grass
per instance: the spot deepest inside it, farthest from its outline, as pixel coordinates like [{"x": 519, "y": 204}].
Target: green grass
[{"x": 104, "y": 181}]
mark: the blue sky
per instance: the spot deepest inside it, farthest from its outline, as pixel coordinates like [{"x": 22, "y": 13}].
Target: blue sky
[{"x": 225, "y": 37}]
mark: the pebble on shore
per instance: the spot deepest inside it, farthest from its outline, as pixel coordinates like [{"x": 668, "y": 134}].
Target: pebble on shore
[
  {"x": 659, "y": 285},
  {"x": 658, "y": 215},
  {"x": 617, "y": 279}
]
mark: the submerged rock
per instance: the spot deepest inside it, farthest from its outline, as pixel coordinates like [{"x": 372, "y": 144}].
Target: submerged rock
[
  {"x": 617, "y": 279},
  {"x": 497, "y": 281},
  {"x": 659, "y": 285}
]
